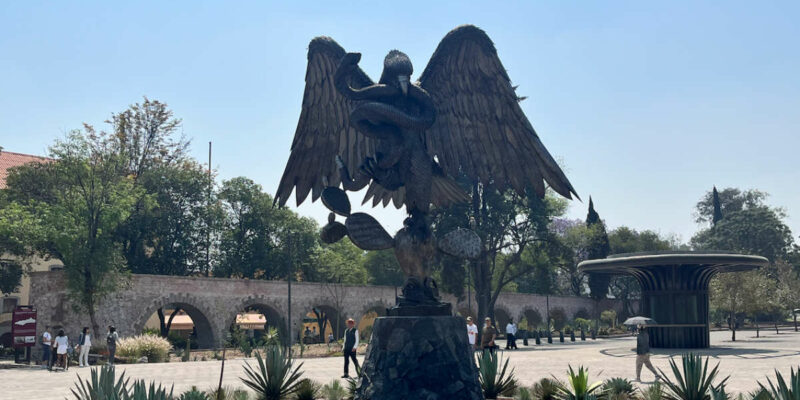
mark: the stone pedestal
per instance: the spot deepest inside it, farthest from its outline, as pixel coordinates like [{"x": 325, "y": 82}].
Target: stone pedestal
[{"x": 419, "y": 357}]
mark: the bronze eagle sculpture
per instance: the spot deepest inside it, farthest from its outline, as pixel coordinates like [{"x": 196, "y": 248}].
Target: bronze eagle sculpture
[{"x": 406, "y": 141}]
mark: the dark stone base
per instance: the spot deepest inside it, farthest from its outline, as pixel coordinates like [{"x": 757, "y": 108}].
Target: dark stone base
[{"x": 420, "y": 358}]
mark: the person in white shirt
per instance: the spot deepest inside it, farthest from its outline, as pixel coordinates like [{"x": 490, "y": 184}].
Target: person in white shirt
[
  {"x": 84, "y": 344},
  {"x": 472, "y": 332},
  {"x": 62, "y": 342},
  {"x": 47, "y": 343},
  {"x": 511, "y": 338}
]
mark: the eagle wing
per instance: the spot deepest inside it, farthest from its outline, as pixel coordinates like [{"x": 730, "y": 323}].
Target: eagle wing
[
  {"x": 324, "y": 130},
  {"x": 480, "y": 129}
]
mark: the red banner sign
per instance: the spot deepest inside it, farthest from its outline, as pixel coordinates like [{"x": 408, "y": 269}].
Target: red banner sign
[{"x": 23, "y": 326}]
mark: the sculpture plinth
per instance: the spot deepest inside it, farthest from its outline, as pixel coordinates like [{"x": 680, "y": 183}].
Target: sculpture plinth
[
  {"x": 675, "y": 290},
  {"x": 419, "y": 358}
]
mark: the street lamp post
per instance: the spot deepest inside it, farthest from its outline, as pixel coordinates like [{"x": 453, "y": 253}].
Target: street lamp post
[{"x": 289, "y": 283}]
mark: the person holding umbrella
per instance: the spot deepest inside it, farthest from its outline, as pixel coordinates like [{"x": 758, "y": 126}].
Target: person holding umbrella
[{"x": 642, "y": 345}]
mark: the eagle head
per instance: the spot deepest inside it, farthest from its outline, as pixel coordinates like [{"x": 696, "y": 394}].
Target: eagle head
[{"x": 397, "y": 70}]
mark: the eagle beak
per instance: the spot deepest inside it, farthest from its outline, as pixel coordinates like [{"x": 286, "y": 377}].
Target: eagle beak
[{"x": 403, "y": 83}]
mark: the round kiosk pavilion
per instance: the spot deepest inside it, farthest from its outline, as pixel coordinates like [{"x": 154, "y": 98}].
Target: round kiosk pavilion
[{"x": 675, "y": 289}]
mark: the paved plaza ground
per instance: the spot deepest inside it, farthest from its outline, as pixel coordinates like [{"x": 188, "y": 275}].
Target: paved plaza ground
[{"x": 747, "y": 361}]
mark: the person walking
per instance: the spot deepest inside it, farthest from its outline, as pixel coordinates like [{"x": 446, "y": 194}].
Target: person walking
[
  {"x": 84, "y": 344},
  {"x": 488, "y": 335},
  {"x": 350, "y": 346},
  {"x": 111, "y": 343},
  {"x": 643, "y": 353},
  {"x": 511, "y": 335},
  {"x": 47, "y": 344},
  {"x": 472, "y": 333},
  {"x": 61, "y": 344}
]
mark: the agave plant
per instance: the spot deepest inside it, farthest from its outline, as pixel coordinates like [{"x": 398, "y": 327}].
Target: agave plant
[
  {"x": 275, "y": 377},
  {"x": 546, "y": 389},
  {"x": 141, "y": 391},
  {"x": 618, "y": 389},
  {"x": 693, "y": 380},
  {"x": 102, "y": 385},
  {"x": 523, "y": 393},
  {"x": 579, "y": 387},
  {"x": 782, "y": 390},
  {"x": 719, "y": 393},
  {"x": 306, "y": 390},
  {"x": 654, "y": 392},
  {"x": 333, "y": 390},
  {"x": 495, "y": 380},
  {"x": 194, "y": 394},
  {"x": 758, "y": 394}
]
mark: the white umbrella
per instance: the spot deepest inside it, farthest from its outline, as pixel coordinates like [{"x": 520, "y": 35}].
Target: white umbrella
[{"x": 639, "y": 321}]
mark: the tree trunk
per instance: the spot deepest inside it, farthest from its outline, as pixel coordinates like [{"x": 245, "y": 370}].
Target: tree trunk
[
  {"x": 162, "y": 325},
  {"x": 758, "y": 331},
  {"x": 93, "y": 319},
  {"x": 795, "y": 321},
  {"x": 777, "y": 332},
  {"x": 732, "y": 325}
]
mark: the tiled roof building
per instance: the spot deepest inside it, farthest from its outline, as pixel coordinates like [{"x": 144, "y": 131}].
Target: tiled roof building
[{"x": 9, "y": 160}]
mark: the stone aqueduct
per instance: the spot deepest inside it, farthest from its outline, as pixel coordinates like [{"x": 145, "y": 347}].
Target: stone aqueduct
[{"x": 213, "y": 303}]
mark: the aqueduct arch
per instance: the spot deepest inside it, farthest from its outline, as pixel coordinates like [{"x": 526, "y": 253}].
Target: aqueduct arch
[
  {"x": 213, "y": 303},
  {"x": 206, "y": 337}
]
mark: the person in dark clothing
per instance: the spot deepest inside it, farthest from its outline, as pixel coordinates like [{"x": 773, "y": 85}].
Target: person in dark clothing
[
  {"x": 643, "y": 353},
  {"x": 111, "y": 342},
  {"x": 488, "y": 336},
  {"x": 350, "y": 347}
]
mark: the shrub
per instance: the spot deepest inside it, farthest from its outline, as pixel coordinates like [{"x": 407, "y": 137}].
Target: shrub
[
  {"x": 495, "y": 380},
  {"x": 546, "y": 389},
  {"x": 558, "y": 317},
  {"x": 227, "y": 393},
  {"x": 141, "y": 391},
  {"x": 654, "y": 392},
  {"x": 609, "y": 317},
  {"x": 276, "y": 377},
  {"x": 366, "y": 333},
  {"x": 194, "y": 394},
  {"x": 306, "y": 390},
  {"x": 155, "y": 348},
  {"x": 618, "y": 389},
  {"x": 333, "y": 390},
  {"x": 693, "y": 380},
  {"x": 582, "y": 313},
  {"x": 582, "y": 323},
  {"x": 523, "y": 393}
]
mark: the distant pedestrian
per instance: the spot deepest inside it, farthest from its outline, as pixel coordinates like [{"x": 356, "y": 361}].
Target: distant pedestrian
[
  {"x": 331, "y": 339},
  {"x": 350, "y": 346},
  {"x": 84, "y": 344},
  {"x": 472, "y": 333},
  {"x": 643, "y": 353},
  {"x": 488, "y": 335},
  {"x": 511, "y": 335},
  {"x": 61, "y": 344},
  {"x": 111, "y": 343},
  {"x": 47, "y": 344}
]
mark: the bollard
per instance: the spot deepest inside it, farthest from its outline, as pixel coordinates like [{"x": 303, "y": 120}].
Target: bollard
[
  {"x": 561, "y": 336},
  {"x": 572, "y": 335},
  {"x": 583, "y": 335}
]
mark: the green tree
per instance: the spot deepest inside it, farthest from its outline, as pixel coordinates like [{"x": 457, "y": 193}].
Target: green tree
[
  {"x": 729, "y": 200},
  {"x": 341, "y": 262},
  {"x": 19, "y": 229},
  {"x": 758, "y": 230},
  {"x": 89, "y": 200},
  {"x": 258, "y": 240},
  {"x": 508, "y": 225},
  {"x": 627, "y": 240},
  {"x": 383, "y": 269},
  {"x": 170, "y": 236}
]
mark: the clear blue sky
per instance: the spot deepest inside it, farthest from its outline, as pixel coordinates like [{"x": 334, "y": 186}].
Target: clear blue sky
[{"x": 646, "y": 104}]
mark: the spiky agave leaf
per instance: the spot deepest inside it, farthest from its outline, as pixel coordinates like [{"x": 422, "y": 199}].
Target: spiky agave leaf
[
  {"x": 692, "y": 381},
  {"x": 276, "y": 377},
  {"x": 781, "y": 390},
  {"x": 494, "y": 379},
  {"x": 102, "y": 385},
  {"x": 579, "y": 387}
]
